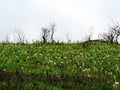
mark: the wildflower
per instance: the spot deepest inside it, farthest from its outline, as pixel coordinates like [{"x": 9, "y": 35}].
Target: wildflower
[
  {"x": 95, "y": 69},
  {"x": 83, "y": 64},
  {"x": 51, "y": 61},
  {"x": 110, "y": 73},
  {"x": 108, "y": 63},
  {"x": 95, "y": 62},
  {"x": 117, "y": 69},
  {"x": 22, "y": 68},
  {"x": 54, "y": 63},
  {"x": 86, "y": 70},
  {"x": 115, "y": 84},
  {"x": 108, "y": 56},
  {"x": 108, "y": 82},
  {"x": 4, "y": 69},
  {"x": 89, "y": 75}
]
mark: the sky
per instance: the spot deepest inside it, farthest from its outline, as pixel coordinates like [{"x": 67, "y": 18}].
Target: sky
[{"x": 74, "y": 18}]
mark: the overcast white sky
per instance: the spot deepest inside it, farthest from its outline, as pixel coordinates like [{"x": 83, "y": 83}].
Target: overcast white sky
[{"x": 75, "y": 17}]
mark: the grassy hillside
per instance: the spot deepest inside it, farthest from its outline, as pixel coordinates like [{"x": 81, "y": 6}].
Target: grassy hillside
[{"x": 75, "y": 66}]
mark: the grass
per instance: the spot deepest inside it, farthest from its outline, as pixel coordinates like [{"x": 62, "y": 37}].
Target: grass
[{"x": 60, "y": 66}]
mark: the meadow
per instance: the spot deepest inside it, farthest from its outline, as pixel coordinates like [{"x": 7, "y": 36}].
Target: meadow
[{"x": 60, "y": 66}]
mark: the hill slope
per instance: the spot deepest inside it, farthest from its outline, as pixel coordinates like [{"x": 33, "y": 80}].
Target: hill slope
[{"x": 75, "y": 66}]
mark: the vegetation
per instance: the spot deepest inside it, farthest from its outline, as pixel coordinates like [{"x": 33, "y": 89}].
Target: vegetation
[{"x": 60, "y": 66}]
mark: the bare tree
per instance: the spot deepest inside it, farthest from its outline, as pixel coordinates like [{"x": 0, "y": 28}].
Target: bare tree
[
  {"x": 7, "y": 39},
  {"x": 68, "y": 37},
  {"x": 52, "y": 31},
  {"x": 48, "y": 33},
  {"x": 19, "y": 36},
  {"x": 113, "y": 34},
  {"x": 90, "y": 34},
  {"x": 117, "y": 32},
  {"x": 45, "y": 34},
  {"x": 109, "y": 36}
]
